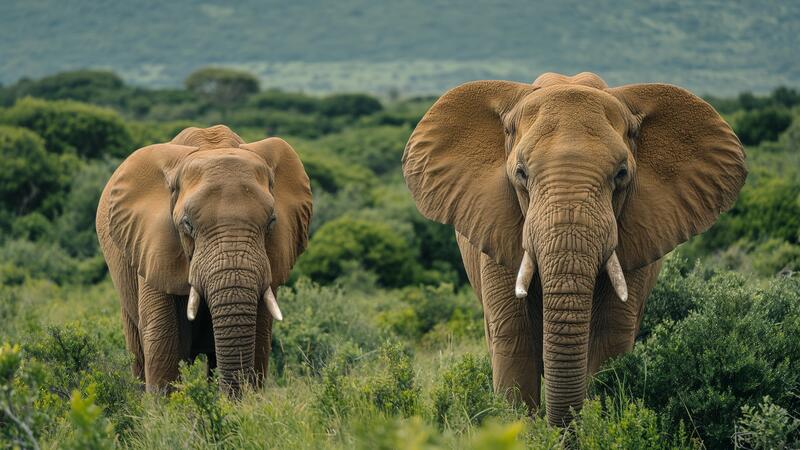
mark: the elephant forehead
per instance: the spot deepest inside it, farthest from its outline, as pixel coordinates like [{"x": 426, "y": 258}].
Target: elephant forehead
[
  {"x": 574, "y": 110},
  {"x": 224, "y": 163}
]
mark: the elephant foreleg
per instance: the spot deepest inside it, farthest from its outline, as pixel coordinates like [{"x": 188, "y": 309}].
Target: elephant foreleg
[
  {"x": 514, "y": 335},
  {"x": 160, "y": 334}
]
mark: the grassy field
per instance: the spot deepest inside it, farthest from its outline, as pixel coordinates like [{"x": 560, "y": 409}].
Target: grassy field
[{"x": 374, "y": 356}]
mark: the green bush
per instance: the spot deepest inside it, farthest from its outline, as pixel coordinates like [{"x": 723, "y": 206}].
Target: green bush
[
  {"x": 756, "y": 126},
  {"x": 201, "y": 398},
  {"x": 739, "y": 344},
  {"x": 675, "y": 294},
  {"x": 30, "y": 177},
  {"x": 69, "y": 126},
  {"x": 377, "y": 148},
  {"x": 352, "y": 105},
  {"x": 96, "y": 86},
  {"x": 767, "y": 210},
  {"x": 315, "y": 327},
  {"x": 393, "y": 388},
  {"x": 91, "y": 430},
  {"x": 375, "y": 246},
  {"x": 221, "y": 86},
  {"x": 279, "y": 100},
  {"x": 619, "y": 424},
  {"x": 463, "y": 395},
  {"x": 767, "y": 427}
]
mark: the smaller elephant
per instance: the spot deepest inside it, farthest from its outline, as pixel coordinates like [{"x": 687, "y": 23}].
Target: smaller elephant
[
  {"x": 564, "y": 195},
  {"x": 198, "y": 234}
]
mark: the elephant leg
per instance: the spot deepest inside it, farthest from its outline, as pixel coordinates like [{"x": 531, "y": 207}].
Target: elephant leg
[
  {"x": 134, "y": 344},
  {"x": 160, "y": 334},
  {"x": 615, "y": 323},
  {"x": 514, "y": 334},
  {"x": 263, "y": 342}
]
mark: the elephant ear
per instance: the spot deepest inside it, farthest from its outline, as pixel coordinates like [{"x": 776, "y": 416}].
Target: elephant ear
[
  {"x": 140, "y": 216},
  {"x": 690, "y": 168},
  {"x": 455, "y": 167},
  {"x": 292, "y": 192}
]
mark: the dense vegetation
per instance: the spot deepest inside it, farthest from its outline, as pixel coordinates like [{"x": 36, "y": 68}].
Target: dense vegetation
[
  {"x": 414, "y": 47},
  {"x": 384, "y": 348}
]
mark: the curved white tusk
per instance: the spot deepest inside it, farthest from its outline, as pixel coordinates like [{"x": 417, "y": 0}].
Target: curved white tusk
[
  {"x": 272, "y": 304},
  {"x": 194, "y": 304},
  {"x": 525, "y": 275},
  {"x": 617, "y": 277}
]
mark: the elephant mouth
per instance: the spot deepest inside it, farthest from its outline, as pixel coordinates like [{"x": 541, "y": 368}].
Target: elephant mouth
[
  {"x": 527, "y": 269},
  {"x": 268, "y": 298}
]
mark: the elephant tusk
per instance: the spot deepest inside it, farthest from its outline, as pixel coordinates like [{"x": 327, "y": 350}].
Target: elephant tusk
[
  {"x": 272, "y": 304},
  {"x": 526, "y": 271},
  {"x": 617, "y": 277},
  {"x": 194, "y": 304}
]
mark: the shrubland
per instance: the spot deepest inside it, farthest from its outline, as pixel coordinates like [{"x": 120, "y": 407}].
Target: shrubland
[{"x": 382, "y": 346}]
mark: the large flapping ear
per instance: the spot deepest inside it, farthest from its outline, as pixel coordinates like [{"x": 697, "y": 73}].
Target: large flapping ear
[
  {"x": 455, "y": 167},
  {"x": 292, "y": 192},
  {"x": 690, "y": 168},
  {"x": 140, "y": 216}
]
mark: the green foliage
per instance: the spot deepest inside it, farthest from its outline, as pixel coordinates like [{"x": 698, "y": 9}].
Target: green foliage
[
  {"x": 318, "y": 321},
  {"x": 756, "y": 126},
  {"x": 377, "y": 148},
  {"x": 30, "y": 177},
  {"x": 738, "y": 344},
  {"x": 221, "y": 86},
  {"x": 615, "y": 424},
  {"x": 92, "y": 431},
  {"x": 767, "y": 426},
  {"x": 82, "y": 85},
  {"x": 463, "y": 396},
  {"x": 71, "y": 127},
  {"x": 374, "y": 245},
  {"x": 201, "y": 398},
  {"x": 275, "y": 99},
  {"x": 351, "y": 105},
  {"x": 393, "y": 388},
  {"x": 675, "y": 294}
]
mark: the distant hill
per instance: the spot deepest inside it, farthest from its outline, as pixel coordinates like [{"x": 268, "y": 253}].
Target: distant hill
[{"x": 409, "y": 46}]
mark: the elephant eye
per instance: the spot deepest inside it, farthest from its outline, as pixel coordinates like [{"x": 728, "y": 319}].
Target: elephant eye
[
  {"x": 622, "y": 173},
  {"x": 521, "y": 175},
  {"x": 272, "y": 220},
  {"x": 187, "y": 226}
]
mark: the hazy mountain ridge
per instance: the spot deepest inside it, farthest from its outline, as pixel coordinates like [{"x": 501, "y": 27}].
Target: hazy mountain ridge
[{"x": 410, "y": 46}]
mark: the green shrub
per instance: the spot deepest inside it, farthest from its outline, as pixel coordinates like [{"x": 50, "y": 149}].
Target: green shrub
[
  {"x": 278, "y": 100},
  {"x": 96, "y": 86},
  {"x": 30, "y": 177},
  {"x": 74, "y": 228},
  {"x": 759, "y": 125},
  {"x": 200, "y": 398},
  {"x": 769, "y": 209},
  {"x": 352, "y": 105},
  {"x": 775, "y": 256},
  {"x": 221, "y": 86},
  {"x": 767, "y": 427},
  {"x": 375, "y": 246},
  {"x": 463, "y": 395},
  {"x": 318, "y": 320},
  {"x": 91, "y": 430},
  {"x": 69, "y": 126},
  {"x": 393, "y": 388},
  {"x": 377, "y": 148},
  {"x": 740, "y": 343},
  {"x": 619, "y": 424},
  {"x": 675, "y": 294}
]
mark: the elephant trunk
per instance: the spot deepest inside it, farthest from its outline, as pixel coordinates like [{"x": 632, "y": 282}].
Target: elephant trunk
[
  {"x": 233, "y": 311},
  {"x": 233, "y": 285},
  {"x": 568, "y": 251}
]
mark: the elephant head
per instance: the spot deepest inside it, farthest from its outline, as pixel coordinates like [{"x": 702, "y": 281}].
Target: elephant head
[
  {"x": 219, "y": 220},
  {"x": 572, "y": 180}
]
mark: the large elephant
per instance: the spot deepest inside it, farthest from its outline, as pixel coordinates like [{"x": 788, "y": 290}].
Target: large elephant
[
  {"x": 579, "y": 189},
  {"x": 196, "y": 233}
]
